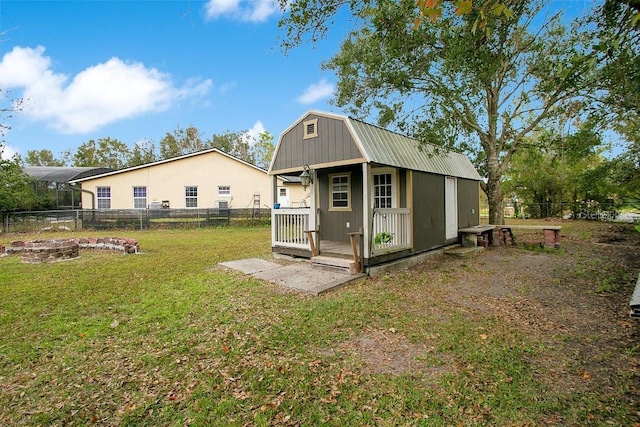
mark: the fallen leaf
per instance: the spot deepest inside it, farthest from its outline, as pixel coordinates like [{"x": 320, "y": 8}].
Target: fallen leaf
[{"x": 114, "y": 324}]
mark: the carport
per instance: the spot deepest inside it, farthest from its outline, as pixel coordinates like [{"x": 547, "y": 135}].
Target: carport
[{"x": 47, "y": 179}]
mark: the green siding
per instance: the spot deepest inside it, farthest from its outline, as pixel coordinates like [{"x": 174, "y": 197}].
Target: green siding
[
  {"x": 468, "y": 203},
  {"x": 333, "y": 144},
  {"x": 428, "y": 211},
  {"x": 333, "y": 223}
]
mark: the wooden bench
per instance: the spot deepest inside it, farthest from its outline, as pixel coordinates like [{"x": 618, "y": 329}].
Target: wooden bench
[
  {"x": 551, "y": 233},
  {"x": 482, "y": 234}
]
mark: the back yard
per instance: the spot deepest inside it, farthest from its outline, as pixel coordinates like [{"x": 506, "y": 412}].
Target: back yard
[{"x": 516, "y": 336}]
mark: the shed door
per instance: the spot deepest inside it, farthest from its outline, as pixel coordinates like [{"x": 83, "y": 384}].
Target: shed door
[
  {"x": 451, "y": 208},
  {"x": 283, "y": 197}
]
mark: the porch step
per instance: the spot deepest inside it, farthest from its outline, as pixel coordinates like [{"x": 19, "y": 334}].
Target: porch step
[{"x": 339, "y": 265}]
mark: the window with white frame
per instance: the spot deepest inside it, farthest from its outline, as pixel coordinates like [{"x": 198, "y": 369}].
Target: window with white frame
[
  {"x": 139, "y": 197},
  {"x": 224, "y": 190},
  {"x": 191, "y": 197},
  {"x": 340, "y": 192},
  {"x": 103, "y": 194},
  {"x": 382, "y": 190}
]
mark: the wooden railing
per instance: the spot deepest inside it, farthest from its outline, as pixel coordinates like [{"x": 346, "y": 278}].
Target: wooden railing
[
  {"x": 289, "y": 227},
  {"x": 391, "y": 230}
]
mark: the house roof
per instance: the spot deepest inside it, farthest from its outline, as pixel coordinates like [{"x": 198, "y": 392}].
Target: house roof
[
  {"x": 384, "y": 147},
  {"x": 173, "y": 159},
  {"x": 62, "y": 173}
]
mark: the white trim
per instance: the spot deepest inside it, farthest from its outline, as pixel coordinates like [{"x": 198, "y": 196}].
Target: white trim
[
  {"x": 451, "y": 202},
  {"x": 395, "y": 185},
  {"x": 305, "y": 126},
  {"x": 186, "y": 197},
  {"x": 349, "y": 191},
  {"x": 133, "y": 191},
  {"x": 367, "y": 208},
  {"x": 301, "y": 119}
]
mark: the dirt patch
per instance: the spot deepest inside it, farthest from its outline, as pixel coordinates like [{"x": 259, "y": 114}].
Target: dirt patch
[
  {"x": 388, "y": 352},
  {"x": 573, "y": 300}
]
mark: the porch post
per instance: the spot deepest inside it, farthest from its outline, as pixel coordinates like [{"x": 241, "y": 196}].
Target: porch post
[
  {"x": 313, "y": 204},
  {"x": 366, "y": 209},
  {"x": 274, "y": 199}
]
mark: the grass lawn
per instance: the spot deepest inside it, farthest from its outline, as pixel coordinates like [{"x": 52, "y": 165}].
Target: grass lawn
[{"x": 166, "y": 337}]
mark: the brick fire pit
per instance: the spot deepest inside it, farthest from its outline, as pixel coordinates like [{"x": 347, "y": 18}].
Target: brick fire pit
[{"x": 55, "y": 250}]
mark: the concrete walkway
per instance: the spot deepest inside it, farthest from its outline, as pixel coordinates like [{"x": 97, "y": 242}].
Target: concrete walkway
[{"x": 295, "y": 275}]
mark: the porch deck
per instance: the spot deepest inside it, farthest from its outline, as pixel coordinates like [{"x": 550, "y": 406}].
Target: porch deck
[{"x": 336, "y": 249}]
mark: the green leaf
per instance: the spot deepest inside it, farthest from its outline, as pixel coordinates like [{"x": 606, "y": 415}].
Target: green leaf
[{"x": 463, "y": 7}]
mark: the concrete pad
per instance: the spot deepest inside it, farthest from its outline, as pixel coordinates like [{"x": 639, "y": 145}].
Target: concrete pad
[
  {"x": 251, "y": 265},
  {"x": 464, "y": 252},
  {"x": 299, "y": 275},
  {"x": 305, "y": 278}
]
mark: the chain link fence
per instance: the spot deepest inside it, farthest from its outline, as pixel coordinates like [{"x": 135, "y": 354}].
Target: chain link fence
[
  {"x": 132, "y": 219},
  {"x": 583, "y": 211}
]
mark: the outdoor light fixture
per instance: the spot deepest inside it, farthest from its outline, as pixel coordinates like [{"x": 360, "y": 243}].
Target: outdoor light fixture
[{"x": 305, "y": 177}]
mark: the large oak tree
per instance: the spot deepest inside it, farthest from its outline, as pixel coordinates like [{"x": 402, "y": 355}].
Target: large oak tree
[{"x": 448, "y": 84}]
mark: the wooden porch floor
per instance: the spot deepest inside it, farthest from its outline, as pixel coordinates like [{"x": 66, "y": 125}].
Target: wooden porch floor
[{"x": 339, "y": 249}]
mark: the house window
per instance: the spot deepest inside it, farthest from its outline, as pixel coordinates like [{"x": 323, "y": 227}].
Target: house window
[
  {"x": 340, "y": 192},
  {"x": 139, "y": 197},
  {"x": 103, "y": 195},
  {"x": 310, "y": 129},
  {"x": 191, "y": 197},
  {"x": 224, "y": 190},
  {"x": 382, "y": 190},
  {"x": 283, "y": 192}
]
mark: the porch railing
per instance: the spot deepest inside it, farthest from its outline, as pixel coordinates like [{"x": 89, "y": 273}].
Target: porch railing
[
  {"x": 289, "y": 226},
  {"x": 391, "y": 230}
]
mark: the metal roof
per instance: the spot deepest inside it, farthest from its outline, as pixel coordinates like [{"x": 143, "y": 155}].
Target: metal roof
[
  {"x": 393, "y": 149},
  {"x": 61, "y": 173}
]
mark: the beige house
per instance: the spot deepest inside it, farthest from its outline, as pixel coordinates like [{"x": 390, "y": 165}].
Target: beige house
[{"x": 204, "y": 179}]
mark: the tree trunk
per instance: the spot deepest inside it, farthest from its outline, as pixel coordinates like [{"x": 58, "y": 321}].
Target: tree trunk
[{"x": 493, "y": 189}]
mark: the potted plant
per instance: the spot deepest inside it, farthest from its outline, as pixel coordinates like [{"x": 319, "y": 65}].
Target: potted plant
[{"x": 382, "y": 238}]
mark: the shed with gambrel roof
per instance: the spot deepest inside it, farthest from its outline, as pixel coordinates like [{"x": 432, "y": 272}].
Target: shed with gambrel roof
[{"x": 400, "y": 196}]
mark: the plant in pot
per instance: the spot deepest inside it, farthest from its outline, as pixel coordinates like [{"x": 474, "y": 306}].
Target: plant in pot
[{"x": 382, "y": 238}]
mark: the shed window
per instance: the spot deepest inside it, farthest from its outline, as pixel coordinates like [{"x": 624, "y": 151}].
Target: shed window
[
  {"x": 104, "y": 197},
  {"x": 139, "y": 197},
  {"x": 191, "y": 197},
  {"x": 340, "y": 192},
  {"x": 310, "y": 128},
  {"x": 382, "y": 190}
]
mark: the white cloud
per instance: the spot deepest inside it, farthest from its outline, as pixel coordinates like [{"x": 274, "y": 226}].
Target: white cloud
[
  {"x": 242, "y": 10},
  {"x": 252, "y": 135},
  {"x": 99, "y": 95},
  {"x": 227, "y": 87},
  {"x": 7, "y": 152},
  {"x": 317, "y": 92}
]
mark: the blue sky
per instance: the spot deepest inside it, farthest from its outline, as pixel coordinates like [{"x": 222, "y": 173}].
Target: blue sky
[{"x": 135, "y": 70}]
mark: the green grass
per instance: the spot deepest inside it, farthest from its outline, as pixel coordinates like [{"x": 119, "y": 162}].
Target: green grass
[{"x": 167, "y": 338}]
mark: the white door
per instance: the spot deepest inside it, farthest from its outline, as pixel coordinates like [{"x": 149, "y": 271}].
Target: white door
[
  {"x": 283, "y": 197},
  {"x": 451, "y": 208}
]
